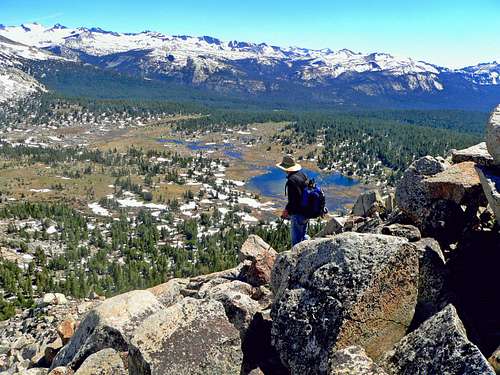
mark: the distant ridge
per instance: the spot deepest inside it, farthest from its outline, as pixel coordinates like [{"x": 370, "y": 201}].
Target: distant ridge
[{"x": 259, "y": 70}]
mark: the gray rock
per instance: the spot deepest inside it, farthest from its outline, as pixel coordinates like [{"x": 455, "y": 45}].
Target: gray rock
[
  {"x": 34, "y": 371},
  {"x": 389, "y": 202},
  {"x": 351, "y": 289},
  {"x": 411, "y": 194},
  {"x": 258, "y": 259},
  {"x": 458, "y": 183},
  {"x": 170, "y": 292},
  {"x": 353, "y": 361},
  {"x": 429, "y": 165},
  {"x": 190, "y": 337},
  {"x": 368, "y": 204},
  {"x": 104, "y": 362},
  {"x": 439, "y": 346},
  {"x": 478, "y": 154},
  {"x": 29, "y": 351},
  {"x": 51, "y": 349},
  {"x": 53, "y": 299},
  {"x": 493, "y": 135},
  {"x": 4, "y": 349},
  {"x": 236, "y": 297},
  {"x": 109, "y": 325},
  {"x": 433, "y": 293},
  {"x": 410, "y": 232},
  {"x": 490, "y": 182},
  {"x": 494, "y": 360},
  {"x": 433, "y": 203},
  {"x": 333, "y": 226},
  {"x": 61, "y": 370}
]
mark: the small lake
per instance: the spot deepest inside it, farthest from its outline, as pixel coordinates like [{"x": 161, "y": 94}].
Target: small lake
[
  {"x": 335, "y": 185},
  {"x": 339, "y": 189}
]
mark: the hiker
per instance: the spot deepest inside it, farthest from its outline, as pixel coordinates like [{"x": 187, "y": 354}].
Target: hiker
[{"x": 295, "y": 185}]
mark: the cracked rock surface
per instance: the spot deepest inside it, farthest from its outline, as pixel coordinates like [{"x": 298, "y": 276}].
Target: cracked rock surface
[{"x": 352, "y": 289}]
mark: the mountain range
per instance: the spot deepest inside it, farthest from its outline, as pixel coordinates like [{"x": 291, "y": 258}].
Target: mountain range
[{"x": 33, "y": 57}]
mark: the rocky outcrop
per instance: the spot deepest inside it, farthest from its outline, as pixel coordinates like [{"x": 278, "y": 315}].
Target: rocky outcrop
[
  {"x": 330, "y": 290},
  {"x": 459, "y": 184},
  {"x": 478, "y": 154},
  {"x": 31, "y": 338},
  {"x": 191, "y": 337},
  {"x": 197, "y": 325},
  {"x": 66, "y": 329},
  {"x": 433, "y": 293},
  {"x": 439, "y": 346},
  {"x": 333, "y": 226},
  {"x": 490, "y": 181},
  {"x": 53, "y": 299},
  {"x": 367, "y": 204},
  {"x": 236, "y": 297},
  {"x": 110, "y": 325},
  {"x": 434, "y": 201},
  {"x": 411, "y": 193},
  {"x": 493, "y": 135},
  {"x": 353, "y": 361},
  {"x": 258, "y": 259},
  {"x": 170, "y": 292},
  {"x": 410, "y": 232},
  {"x": 104, "y": 362}
]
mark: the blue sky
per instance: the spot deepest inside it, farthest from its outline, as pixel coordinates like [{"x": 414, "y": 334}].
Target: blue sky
[{"x": 451, "y": 33}]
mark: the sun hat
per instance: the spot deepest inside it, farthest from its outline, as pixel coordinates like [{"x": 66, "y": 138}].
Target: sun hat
[{"x": 288, "y": 164}]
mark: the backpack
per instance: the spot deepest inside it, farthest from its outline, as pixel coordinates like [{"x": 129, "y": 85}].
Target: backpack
[{"x": 313, "y": 200}]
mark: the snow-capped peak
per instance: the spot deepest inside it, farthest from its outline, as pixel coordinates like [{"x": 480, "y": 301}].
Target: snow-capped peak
[
  {"x": 98, "y": 42},
  {"x": 171, "y": 54}
]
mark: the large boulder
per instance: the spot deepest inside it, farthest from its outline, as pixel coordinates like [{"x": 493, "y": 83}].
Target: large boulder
[
  {"x": 236, "y": 297},
  {"x": 433, "y": 202},
  {"x": 439, "y": 346},
  {"x": 104, "y": 362},
  {"x": 109, "y": 325},
  {"x": 433, "y": 294},
  {"x": 170, "y": 292},
  {"x": 478, "y": 154},
  {"x": 331, "y": 293},
  {"x": 353, "y": 361},
  {"x": 410, "y": 232},
  {"x": 333, "y": 226},
  {"x": 411, "y": 193},
  {"x": 191, "y": 337},
  {"x": 490, "y": 181},
  {"x": 493, "y": 135},
  {"x": 258, "y": 258},
  {"x": 368, "y": 203},
  {"x": 458, "y": 183},
  {"x": 66, "y": 329}
]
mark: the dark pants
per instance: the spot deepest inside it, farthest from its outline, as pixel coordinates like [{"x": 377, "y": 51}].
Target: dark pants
[{"x": 298, "y": 228}]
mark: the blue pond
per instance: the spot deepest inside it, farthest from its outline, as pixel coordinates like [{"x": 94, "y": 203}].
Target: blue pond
[{"x": 272, "y": 184}]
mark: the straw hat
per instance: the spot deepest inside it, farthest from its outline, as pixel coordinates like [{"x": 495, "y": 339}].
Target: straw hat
[{"x": 288, "y": 164}]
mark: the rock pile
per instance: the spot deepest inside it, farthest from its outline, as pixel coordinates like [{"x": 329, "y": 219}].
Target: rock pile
[
  {"x": 389, "y": 290},
  {"x": 204, "y": 325},
  {"x": 34, "y": 337}
]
